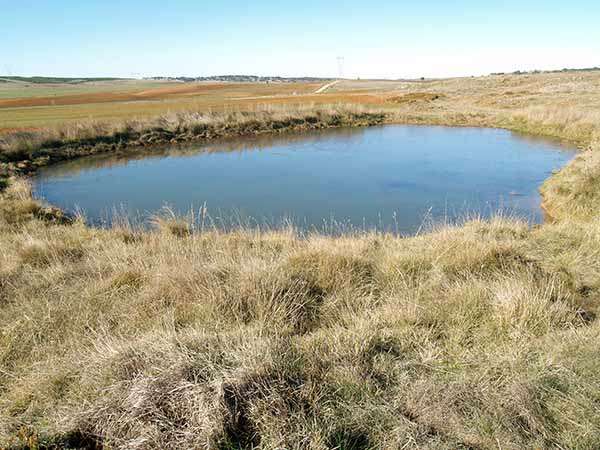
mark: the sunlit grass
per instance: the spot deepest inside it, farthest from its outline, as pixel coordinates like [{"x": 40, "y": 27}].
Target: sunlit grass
[
  {"x": 475, "y": 335},
  {"x": 466, "y": 335}
]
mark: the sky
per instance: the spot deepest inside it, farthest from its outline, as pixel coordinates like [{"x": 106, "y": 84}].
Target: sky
[{"x": 377, "y": 39}]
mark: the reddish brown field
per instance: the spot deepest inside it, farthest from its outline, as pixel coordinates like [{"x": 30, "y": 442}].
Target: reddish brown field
[
  {"x": 28, "y": 110},
  {"x": 28, "y": 106}
]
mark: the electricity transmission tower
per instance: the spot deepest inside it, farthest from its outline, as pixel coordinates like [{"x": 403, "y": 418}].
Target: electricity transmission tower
[{"x": 340, "y": 66}]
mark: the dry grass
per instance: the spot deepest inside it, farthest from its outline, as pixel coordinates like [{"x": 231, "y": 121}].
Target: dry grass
[
  {"x": 28, "y": 110},
  {"x": 465, "y": 337},
  {"x": 477, "y": 336},
  {"x": 415, "y": 97},
  {"x": 39, "y": 147}
]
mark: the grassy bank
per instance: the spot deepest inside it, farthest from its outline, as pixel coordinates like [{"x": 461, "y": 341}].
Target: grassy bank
[
  {"x": 461, "y": 338},
  {"x": 574, "y": 193},
  {"x": 23, "y": 151},
  {"x": 476, "y": 336}
]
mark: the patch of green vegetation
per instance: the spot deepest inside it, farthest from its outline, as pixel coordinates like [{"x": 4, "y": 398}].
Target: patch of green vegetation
[{"x": 57, "y": 80}]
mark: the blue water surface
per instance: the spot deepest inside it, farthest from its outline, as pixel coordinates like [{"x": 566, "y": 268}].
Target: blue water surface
[{"x": 394, "y": 177}]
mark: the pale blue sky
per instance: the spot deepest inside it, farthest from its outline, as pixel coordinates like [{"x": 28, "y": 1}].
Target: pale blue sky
[{"x": 377, "y": 39}]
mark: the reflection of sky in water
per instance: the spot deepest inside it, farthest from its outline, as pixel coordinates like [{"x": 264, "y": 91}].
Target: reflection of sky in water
[{"x": 391, "y": 177}]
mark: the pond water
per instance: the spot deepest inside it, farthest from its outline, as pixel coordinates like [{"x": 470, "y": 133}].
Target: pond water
[{"x": 392, "y": 177}]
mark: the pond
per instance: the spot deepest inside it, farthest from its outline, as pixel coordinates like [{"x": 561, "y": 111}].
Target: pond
[{"x": 394, "y": 178}]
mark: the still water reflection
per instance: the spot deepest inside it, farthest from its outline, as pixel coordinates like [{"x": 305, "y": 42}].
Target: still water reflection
[{"x": 391, "y": 177}]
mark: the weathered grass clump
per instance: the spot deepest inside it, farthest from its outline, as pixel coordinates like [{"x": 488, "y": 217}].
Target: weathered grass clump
[
  {"x": 18, "y": 206},
  {"x": 465, "y": 337}
]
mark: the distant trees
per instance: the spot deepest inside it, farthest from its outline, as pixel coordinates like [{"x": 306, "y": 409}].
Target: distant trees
[{"x": 536, "y": 71}]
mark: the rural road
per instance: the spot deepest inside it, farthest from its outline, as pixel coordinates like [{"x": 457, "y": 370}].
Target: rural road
[{"x": 327, "y": 86}]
